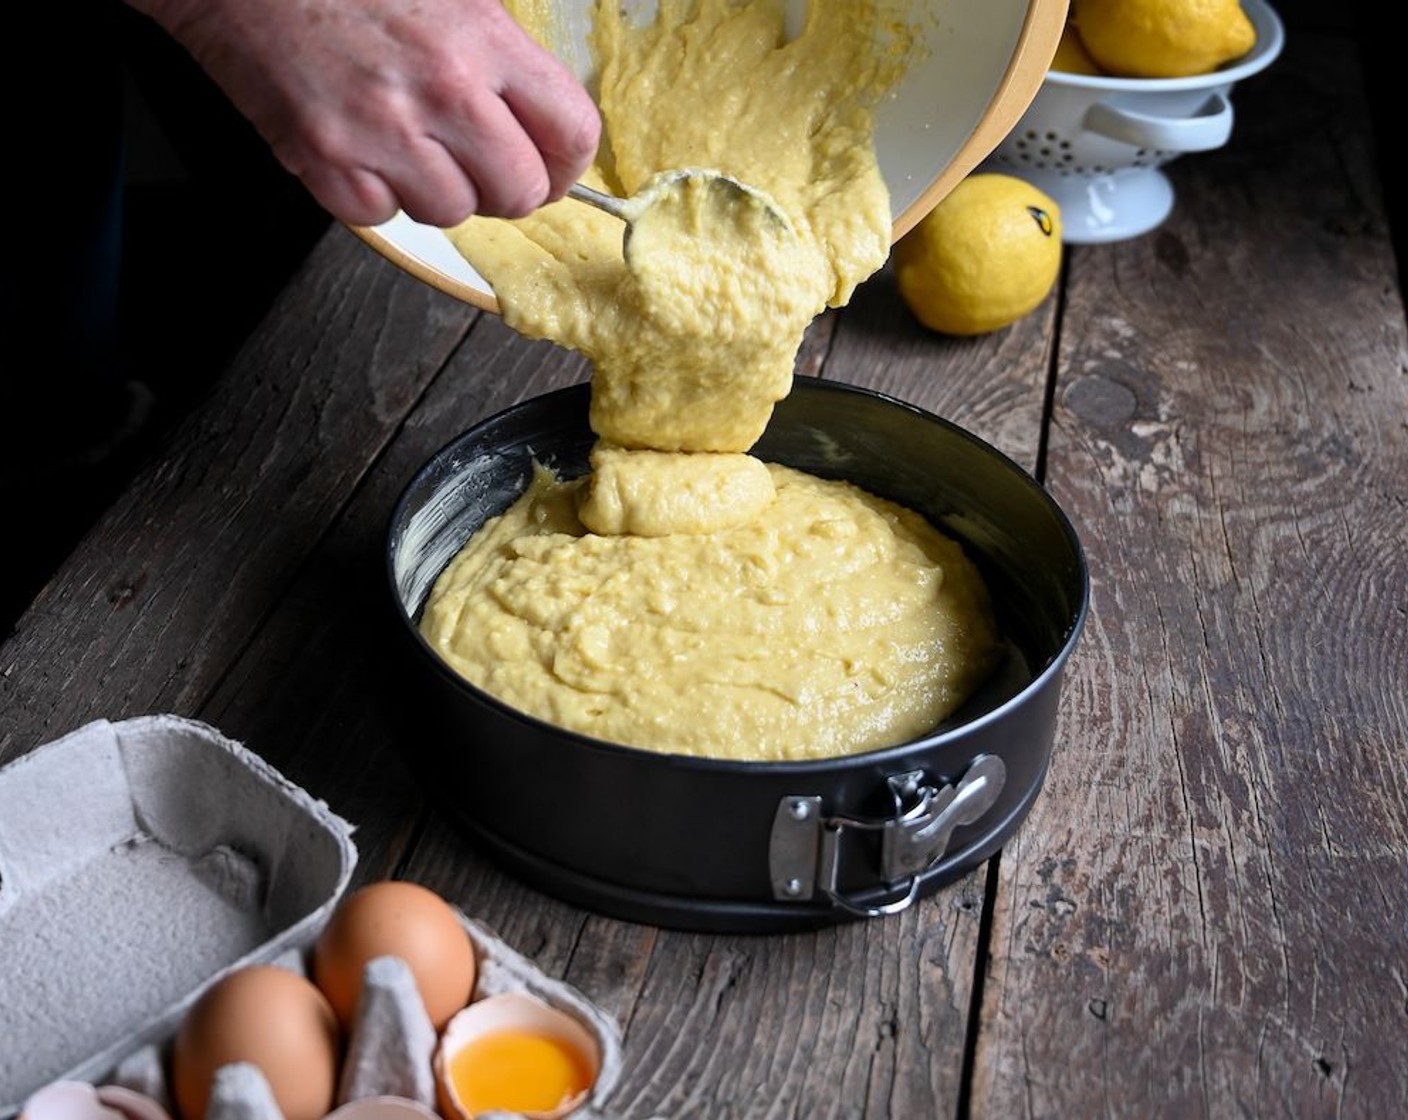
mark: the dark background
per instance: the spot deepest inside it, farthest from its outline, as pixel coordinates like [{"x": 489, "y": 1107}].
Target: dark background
[{"x": 200, "y": 184}]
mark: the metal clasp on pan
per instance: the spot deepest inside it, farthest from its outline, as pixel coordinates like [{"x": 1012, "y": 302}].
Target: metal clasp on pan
[{"x": 804, "y": 853}]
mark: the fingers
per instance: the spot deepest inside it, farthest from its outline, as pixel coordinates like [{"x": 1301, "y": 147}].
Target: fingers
[
  {"x": 432, "y": 187},
  {"x": 503, "y": 161},
  {"x": 494, "y": 169},
  {"x": 357, "y": 197},
  {"x": 520, "y": 125},
  {"x": 457, "y": 144},
  {"x": 562, "y": 121},
  {"x": 439, "y": 108},
  {"x": 404, "y": 160}
]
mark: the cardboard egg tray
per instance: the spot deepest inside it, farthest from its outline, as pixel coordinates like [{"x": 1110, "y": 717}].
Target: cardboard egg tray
[{"x": 140, "y": 861}]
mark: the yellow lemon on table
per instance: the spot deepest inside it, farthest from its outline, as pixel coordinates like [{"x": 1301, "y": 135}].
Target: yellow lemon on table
[
  {"x": 1163, "y": 38},
  {"x": 987, "y": 254}
]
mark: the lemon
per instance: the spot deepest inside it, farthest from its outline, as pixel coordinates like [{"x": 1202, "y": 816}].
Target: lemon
[
  {"x": 986, "y": 255},
  {"x": 1071, "y": 57},
  {"x": 1163, "y": 38}
]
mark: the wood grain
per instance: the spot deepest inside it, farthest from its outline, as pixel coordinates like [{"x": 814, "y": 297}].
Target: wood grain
[
  {"x": 1204, "y": 915},
  {"x": 993, "y": 385},
  {"x": 319, "y": 687},
  {"x": 175, "y": 579}
]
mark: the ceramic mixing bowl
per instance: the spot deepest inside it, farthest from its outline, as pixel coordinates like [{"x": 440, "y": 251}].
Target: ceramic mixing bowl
[
  {"x": 726, "y": 845},
  {"x": 1096, "y": 144},
  {"x": 984, "y": 63}
]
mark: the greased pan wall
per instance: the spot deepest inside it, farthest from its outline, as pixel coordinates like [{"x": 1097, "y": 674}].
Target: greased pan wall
[{"x": 733, "y": 846}]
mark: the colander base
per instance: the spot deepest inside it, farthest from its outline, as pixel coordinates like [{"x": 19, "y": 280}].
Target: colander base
[{"x": 1098, "y": 208}]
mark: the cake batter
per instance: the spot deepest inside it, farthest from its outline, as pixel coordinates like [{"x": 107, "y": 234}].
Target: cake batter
[{"x": 684, "y": 596}]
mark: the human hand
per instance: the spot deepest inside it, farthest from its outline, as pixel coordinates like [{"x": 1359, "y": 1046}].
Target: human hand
[{"x": 440, "y": 108}]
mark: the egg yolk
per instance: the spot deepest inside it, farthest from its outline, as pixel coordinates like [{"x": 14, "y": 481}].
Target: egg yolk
[{"x": 517, "y": 1071}]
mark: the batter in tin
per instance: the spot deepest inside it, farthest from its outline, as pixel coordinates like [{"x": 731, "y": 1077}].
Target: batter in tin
[{"x": 684, "y": 596}]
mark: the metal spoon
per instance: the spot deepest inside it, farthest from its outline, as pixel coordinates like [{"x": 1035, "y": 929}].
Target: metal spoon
[{"x": 726, "y": 190}]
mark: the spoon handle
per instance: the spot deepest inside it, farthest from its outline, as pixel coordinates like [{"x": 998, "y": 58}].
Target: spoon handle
[{"x": 608, "y": 202}]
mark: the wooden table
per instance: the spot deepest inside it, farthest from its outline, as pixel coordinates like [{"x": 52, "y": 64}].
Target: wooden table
[{"x": 1206, "y": 912}]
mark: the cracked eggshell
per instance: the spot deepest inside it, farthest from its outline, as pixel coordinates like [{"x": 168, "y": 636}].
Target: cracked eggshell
[
  {"x": 78, "y": 1100},
  {"x": 384, "y": 1108},
  {"x": 132, "y": 1104},
  {"x": 524, "y": 1019}
]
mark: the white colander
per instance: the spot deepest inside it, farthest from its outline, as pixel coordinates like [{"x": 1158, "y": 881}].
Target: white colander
[{"x": 1095, "y": 144}]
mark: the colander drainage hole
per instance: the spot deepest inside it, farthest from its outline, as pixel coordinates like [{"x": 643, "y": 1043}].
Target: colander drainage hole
[{"x": 1045, "y": 155}]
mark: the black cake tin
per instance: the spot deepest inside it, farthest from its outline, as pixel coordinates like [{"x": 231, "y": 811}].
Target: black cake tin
[{"x": 727, "y": 846}]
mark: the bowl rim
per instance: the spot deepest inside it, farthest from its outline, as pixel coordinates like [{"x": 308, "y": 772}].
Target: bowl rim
[
  {"x": 882, "y": 756},
  {"x": 1016, "y": 88},
  {"x": 1270, "y": 39}
]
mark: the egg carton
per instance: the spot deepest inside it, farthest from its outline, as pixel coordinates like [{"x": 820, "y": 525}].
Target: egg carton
[
  {"x": 391, "y": 1044},
  {"x": 142, "y": 860}
]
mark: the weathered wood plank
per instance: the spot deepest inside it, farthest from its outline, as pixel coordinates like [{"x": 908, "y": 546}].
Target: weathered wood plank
[
  {"x": 1204, "y": 915},
  {"x": 861, "y": 1020},
  {"x": 993, "y": 385},
  {"x": 169, "y": 586},
  {"x": 317, "y": 690},
  {"x": 910, "y": 1061}
]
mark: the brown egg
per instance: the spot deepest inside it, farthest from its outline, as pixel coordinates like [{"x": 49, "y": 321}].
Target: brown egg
[
  {"x": 268, "y": 1016},
  {"x": 398, "y": 919}
]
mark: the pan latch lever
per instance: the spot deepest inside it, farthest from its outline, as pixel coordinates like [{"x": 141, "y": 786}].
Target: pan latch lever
[{"x": 804, "y": 853}]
